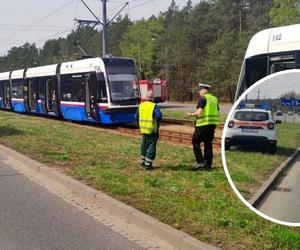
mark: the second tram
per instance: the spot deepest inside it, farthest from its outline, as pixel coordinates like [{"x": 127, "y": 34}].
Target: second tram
[{"x": 270, "y": 51}]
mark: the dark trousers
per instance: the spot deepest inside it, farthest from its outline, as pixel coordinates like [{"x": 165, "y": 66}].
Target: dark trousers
[
  {"x": 148, "y": 148},
  {"x": 204, "y": 134}
]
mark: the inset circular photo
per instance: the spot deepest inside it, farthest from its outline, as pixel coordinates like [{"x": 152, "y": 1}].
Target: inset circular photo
[{"x": 261, "y": 147}]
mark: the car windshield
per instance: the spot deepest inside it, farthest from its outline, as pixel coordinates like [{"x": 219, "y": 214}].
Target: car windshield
[
  {"x": 123, "y": 86},
  {"x": 251, "y": 116}
]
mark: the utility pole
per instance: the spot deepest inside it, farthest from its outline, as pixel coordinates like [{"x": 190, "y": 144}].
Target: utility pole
[
  {"x": 104, "y": 30},
  {"x": 105, "y": 23}
]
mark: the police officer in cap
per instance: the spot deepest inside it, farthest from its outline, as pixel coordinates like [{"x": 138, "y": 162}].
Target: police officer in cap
[{"x": 207, "y": 118}]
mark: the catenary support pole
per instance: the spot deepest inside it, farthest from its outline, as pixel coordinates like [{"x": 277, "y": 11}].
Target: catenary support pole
[{"x": 104, "y": 21}]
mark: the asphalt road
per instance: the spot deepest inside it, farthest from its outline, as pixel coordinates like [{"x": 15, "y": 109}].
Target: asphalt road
[
  {"x": 283, "y": 202},
  {"x": 33, "y": 218},
  {"x": 190, "y": 107}
]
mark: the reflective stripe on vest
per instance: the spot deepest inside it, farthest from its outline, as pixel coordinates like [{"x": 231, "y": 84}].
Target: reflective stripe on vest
[
  {"x": 210, "y": 113},
  {"x": 147, "y": 124}
]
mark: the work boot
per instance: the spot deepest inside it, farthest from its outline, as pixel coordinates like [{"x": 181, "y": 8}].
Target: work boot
[
  {"x": 208, "y": 165},
  {"x": 148, "y": 166},
  {"x": 143, "y": 161},
  {"x": 200, "y": 165}
]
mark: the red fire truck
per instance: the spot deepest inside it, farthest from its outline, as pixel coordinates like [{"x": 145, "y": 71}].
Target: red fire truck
[{"x": 158, "y": 86}]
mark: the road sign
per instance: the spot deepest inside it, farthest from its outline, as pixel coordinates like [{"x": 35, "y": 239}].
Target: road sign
[{"x": 290, "y": 102}]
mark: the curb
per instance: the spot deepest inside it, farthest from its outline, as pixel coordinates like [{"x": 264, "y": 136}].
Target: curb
[
  {"x": 176, "y": 238},
  {"x": 269, "y": 184}
]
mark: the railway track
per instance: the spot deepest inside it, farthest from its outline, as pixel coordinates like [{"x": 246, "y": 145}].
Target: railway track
[{"x": 170, "y": 136}]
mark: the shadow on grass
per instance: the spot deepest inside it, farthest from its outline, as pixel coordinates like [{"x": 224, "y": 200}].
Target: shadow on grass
[
  {"x": 285, "y": 151},
  {"x": 183, "y": 167},
  {"x": 9, "y": 131},
  {"x": 252, "y": 149}
]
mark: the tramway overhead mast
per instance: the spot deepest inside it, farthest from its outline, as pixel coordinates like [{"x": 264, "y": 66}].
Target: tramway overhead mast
[{"x": 105, "y": 23}]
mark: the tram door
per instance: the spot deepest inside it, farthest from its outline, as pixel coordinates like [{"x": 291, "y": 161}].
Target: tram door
[
  {"x": 6, "y": 96},
  {"x": 32, "y": 94},
  {"x": 91, "y": 107},
  {"x": 52, "y": 104}
]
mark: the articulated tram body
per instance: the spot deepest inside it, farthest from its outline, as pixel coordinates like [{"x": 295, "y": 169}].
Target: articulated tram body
[
  {"x": 270, "y": 51},
  {"x": 96, "y": 90}
]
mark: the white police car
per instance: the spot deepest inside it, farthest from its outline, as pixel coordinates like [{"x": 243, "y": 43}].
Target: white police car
[{"x": 252, "y": 127}]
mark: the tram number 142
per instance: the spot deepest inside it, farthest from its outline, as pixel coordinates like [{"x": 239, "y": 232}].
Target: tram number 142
[{"x": 277, "y": 37}]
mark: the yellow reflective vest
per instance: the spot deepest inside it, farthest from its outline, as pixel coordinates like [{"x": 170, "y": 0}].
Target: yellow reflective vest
[
  {"x": 147, "y": 124},
  {"x": 210, "y": 113}
]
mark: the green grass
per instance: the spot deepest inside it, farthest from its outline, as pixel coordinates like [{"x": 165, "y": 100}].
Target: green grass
[
  {"x": 199, "y": 203},
  {"x": 249, "y": 170}
]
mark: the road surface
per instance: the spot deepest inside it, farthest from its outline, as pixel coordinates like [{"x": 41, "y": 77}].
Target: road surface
[
  {"x": 283, "y": 201},
  {"x": 189, "y": 107},
  {"x": 33, "y": 218}
]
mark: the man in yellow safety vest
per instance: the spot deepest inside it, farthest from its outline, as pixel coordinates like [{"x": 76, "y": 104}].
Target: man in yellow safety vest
[
  {"x": 148, "y": 115},
  {"x": 207, "y": 118}
]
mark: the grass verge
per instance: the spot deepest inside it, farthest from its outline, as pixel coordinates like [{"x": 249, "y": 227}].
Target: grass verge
[
  {"x": 249, "y": 169},
  {"x": 199, "y": 203}
]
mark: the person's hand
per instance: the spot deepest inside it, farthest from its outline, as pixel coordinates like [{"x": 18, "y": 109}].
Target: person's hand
[{"x": 189, "y": 114}]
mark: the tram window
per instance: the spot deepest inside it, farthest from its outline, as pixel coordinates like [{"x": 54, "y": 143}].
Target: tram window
[
  {"x": 41, "y": 87},
  {"x": 17, "y": 89},
  {"x": 33, "y": 89},
  {"x": 297, "y": 60},
  {"x": 256, "y": 69},
  {"x": 66, "y": 91},
  {"x": 73, "y": 88},
  {"x": 280, "y": 66},
  {"x": 101, "y": 88},
  {"x": 78, "y": 90},
  {"x": 1, "y": 90}
]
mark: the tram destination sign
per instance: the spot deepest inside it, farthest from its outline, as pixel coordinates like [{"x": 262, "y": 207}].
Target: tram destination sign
[{"x": 290, "y": 102}]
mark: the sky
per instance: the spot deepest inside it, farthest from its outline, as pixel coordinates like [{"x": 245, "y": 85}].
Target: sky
[
  {"x": 36, "y": 21},
  {"x": 278, "y": 85}
]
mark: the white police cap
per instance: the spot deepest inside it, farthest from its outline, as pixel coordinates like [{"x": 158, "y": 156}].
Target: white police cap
[
  {"x": 203, "y": 86},
  {"x": 149, "y": 95}
]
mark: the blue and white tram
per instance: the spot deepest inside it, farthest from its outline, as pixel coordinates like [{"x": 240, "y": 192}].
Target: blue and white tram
[{"x": 96, "y": 90}]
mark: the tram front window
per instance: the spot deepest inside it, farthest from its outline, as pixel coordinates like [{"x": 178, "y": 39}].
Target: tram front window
[
  {"x": 279, "y": 64},
  {"x": 256, "y": 69},
  {"x": 124, "y": 88}
]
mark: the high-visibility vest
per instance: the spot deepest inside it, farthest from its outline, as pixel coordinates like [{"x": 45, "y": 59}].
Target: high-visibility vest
[
  {"x": 147, "y": 124},
  {"x": 210, "y": 113}
]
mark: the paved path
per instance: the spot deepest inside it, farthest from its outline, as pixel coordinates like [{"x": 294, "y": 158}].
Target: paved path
[
  {"x": 33, "y": 218},
  {"x": 189, "y": 107},
  {"x": 283, "y": 202}
]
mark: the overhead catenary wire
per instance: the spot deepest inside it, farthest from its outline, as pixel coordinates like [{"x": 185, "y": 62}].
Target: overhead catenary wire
[
  {"x": 134, "y": 6},
  {"x": 39, "y": 20},
  {"x": 35, "y": 25},
  {"x": 55, "y": 34},
  {"x": 141, "y": 4}
]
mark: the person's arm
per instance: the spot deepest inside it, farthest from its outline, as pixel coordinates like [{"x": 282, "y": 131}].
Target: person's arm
[
  {"x": 157, "y": 114},
  {"x": 200, "y": 107},
  {"x": 136, "y": 116},
  {"x": 196, "y": 113}
]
